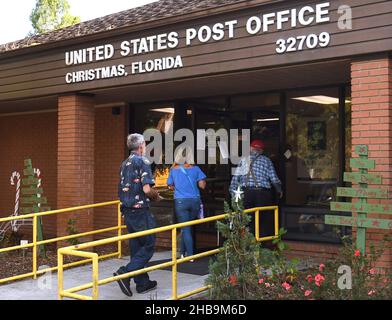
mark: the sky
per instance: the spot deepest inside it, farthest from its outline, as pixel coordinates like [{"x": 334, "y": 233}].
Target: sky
[{"x": 15, "y": 14}]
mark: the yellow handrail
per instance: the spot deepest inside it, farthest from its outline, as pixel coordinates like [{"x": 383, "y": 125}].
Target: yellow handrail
[
  {"x": 51, "y": 212},
  {"x": 75, "y": 250},
  {"x": 35, "y": 243}
]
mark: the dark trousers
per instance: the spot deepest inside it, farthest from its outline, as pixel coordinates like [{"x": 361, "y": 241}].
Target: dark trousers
[
  {"x": 260, "y": 198},
  {"x": 142, "y": 248}
]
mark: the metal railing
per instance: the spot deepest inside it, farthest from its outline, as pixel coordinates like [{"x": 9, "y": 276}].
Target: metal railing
[
  {"x": 35, "y": 243},
  {"x": 93, "y": 257}
]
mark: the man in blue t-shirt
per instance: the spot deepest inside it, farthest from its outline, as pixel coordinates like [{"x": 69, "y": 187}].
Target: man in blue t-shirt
[{"x": 135, "y": 193}]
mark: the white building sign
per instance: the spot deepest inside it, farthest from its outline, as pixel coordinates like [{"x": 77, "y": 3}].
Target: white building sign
[{"x": 255, "y": 25}]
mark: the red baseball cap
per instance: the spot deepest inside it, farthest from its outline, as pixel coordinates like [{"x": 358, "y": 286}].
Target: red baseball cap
[{"x": 257, "y": 144}]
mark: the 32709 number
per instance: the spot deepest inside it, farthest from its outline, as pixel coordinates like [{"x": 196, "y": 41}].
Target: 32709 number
[{"x": 300, "y": 43}]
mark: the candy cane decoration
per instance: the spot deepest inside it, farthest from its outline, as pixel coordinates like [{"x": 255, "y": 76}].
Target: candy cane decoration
[
  {"x": 16, "y": 175},
  {"x": 37, "y": 173}
]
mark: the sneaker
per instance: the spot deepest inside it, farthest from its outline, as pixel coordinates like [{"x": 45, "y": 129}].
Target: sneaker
[
  {"x": 182, "y": 257},
  {"x": 125, "y": 284},
  {"x": 151, "y": 285}
]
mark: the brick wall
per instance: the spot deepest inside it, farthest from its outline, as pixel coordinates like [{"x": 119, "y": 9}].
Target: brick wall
[
  {"x": 75, "y": 160},
  {"x": 317, "y": 252},
  {"x": 372, "y": 124},
  {"x": 110, "y": 140},
  {"x": 29, "y": 136}
]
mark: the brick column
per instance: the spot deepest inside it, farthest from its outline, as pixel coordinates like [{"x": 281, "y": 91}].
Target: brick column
[
  {"x": 75, "y": 160},
  {"x": 372, "y": 125}
]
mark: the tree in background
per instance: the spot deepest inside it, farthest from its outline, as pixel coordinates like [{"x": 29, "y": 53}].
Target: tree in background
[{"x": 49, "y": 15}]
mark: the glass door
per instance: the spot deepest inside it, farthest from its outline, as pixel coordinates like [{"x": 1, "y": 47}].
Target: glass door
[{"x": 262, "y": 120}]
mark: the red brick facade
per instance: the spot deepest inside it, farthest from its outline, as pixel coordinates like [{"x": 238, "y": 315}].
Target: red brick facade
[
  {"x": 110, "y": 151},
  {"x": 319, "y": 252},
  {"x": 75, "y": 160},
  {"x": 372, "y": 124},
  {"x": 41, "y": 147},
  {"x": 34, "y": 136}
]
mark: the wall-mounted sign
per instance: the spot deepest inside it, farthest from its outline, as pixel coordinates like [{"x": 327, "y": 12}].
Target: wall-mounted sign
[
  {"x": 362, "y": 193},
  {"x": 258, "y": 24},
  {"x": 362, "y": 178},
  {"x": 357, "y": 222},
  {"x": 361, "y": 207}
]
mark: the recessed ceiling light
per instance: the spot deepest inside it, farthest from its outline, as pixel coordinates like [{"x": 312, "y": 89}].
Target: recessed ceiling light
[
  {"x": 320, "y": 99},
  {"x": 165, "y": 110},
  {"x": 268, "y": 120}
]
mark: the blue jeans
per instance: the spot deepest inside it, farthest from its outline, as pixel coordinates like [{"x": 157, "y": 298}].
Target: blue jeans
[
  {"x": 142, "y": 248},
  {"x": 186, "y": 210}
]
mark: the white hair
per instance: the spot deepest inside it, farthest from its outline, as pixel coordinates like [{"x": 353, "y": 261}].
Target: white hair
[{"x": 134, "y": 141}]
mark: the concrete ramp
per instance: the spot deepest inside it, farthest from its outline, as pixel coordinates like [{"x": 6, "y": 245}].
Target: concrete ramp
[{"x": 45, "y": 288}]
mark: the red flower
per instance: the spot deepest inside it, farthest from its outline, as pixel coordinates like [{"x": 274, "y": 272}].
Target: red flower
[
  {"x": 261, "y": 281},
  {"x": 372, "y": 271},
  {"x": 308, "y": 293},
  {"x": 322, "y": 267},
  {"x": 357, "y": 253},
  {"x": 319, "y": 279},
  {"x": 286, "y": 285},
  {"x": 309, "y": 278},
  {"x": 233, "y": 280},
  {"x": 371, "y": 292}
]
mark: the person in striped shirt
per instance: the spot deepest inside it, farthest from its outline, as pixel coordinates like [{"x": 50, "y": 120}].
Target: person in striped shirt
[{"x": 256, "y": 177}]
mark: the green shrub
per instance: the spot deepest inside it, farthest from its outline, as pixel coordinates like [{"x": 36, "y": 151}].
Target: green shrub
[
  {"x": 71, "y": 229},
  {"x": 246, "y": 270}
]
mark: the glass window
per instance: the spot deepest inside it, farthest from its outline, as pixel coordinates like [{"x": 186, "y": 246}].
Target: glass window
[
  {"x": 312, "y": 150},
  {"x": 312, "y": 162}
]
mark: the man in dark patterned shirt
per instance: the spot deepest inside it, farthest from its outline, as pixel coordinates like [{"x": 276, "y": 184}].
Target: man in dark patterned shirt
[
  {"x": 135, "y": 193},
  {"x": 256, "y": 175}
]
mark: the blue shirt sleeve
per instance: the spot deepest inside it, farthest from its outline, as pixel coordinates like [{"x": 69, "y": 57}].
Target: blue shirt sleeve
[
  {"x": 272, "y": 173},
  {"x": 170, "y": 181},
  {"x": 200, "y": 174}
]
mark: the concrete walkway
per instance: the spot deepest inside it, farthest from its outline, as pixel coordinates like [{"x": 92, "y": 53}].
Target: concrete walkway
[{"x": 45, "y": 288}]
